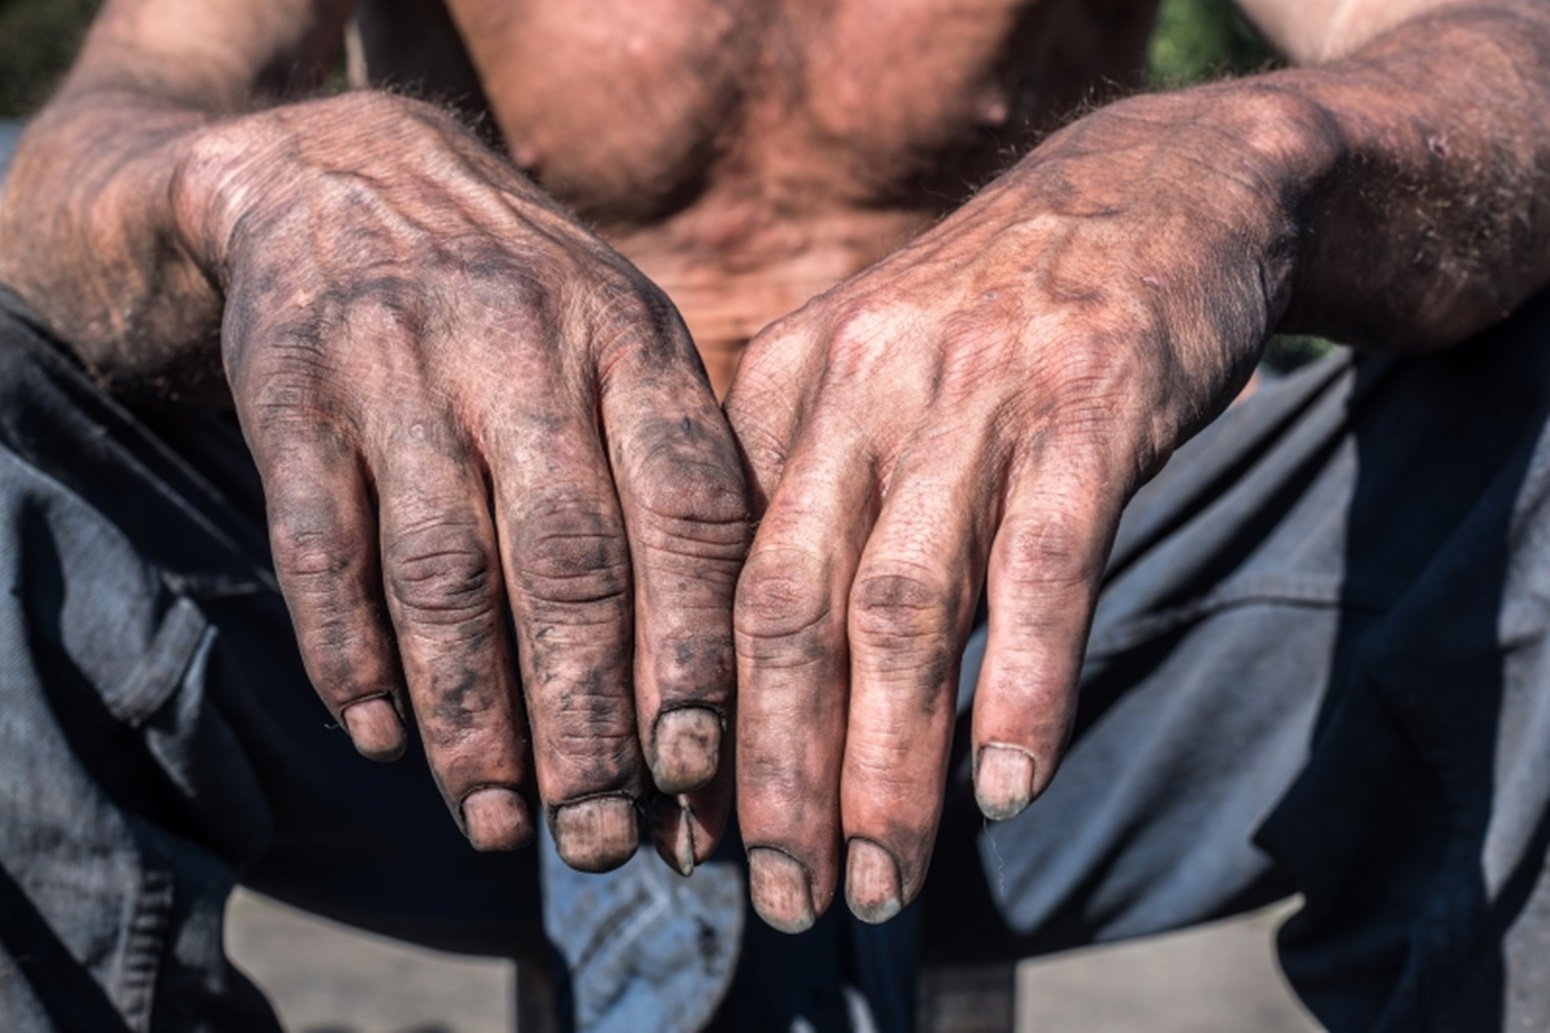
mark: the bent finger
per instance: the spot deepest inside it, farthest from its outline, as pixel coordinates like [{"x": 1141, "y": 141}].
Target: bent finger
[
  {"x": 567, "y": 567},
  {"x": 685, "y": 507},
  {"x": 442, "y": 574},
  {"x": 323, "y": 535},
  {"x": 1046, "y": 566},
  {"x": 793, "y": 667},
  {"x": 910, "y": 611}
]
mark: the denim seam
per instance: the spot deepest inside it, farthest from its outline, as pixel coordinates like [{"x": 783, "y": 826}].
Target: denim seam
[
  {"x": 656, "y": 903},
  {"x": 143, "y": 946}
]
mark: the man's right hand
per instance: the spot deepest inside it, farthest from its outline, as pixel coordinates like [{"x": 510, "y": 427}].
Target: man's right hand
[{"x": 487, "y": 445}]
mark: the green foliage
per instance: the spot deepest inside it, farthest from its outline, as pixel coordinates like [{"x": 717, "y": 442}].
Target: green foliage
[
  {"x": 1203, "y": 39},
  {"x": 1285, "y": 353},
  {"x": 38, "y": 38}
]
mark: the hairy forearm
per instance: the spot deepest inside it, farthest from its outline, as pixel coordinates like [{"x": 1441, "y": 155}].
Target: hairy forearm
[
  {"x": 90, "y": 229},
  {"x": 1397, "y": 198},
  {"x": 1421, "y": 177},
  {"x": 90, "y": 238}
]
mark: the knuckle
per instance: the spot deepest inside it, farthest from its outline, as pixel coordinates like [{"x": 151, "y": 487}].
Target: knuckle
[
  {"x": 693, "y": 507},
  {"x": 900, "y": 609},
  {"x": 764, "y": 369},
  {"x": 441, "y": 573},
  {"x": 858, "y": 340},
  {"x": 306, "y": 543},
  {"x": 1051, "y": 549},
  {"x": 304, "y": 553},
  {"x": 290, "y": 382},
  {"x": 783, "y": 593},
  {"x": 571, "y": 555}
]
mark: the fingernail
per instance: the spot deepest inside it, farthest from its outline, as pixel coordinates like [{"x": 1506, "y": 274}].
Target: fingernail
[
  {"x": 374, "y": 728},
  {"x": 597, "y": 834},
  {"x": 688, "y": 748},
  {"x": 495, "y": 818},
  {"x": 674, "y": 834},
  {"x": 872, "y": 882},
  {"x": 781, "y": 889},
  {"x": 1003, "y": 781}
]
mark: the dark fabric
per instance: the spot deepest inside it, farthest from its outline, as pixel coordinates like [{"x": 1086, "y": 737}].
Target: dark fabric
[
  {"x": 1318, "y": 666},
  {"x": 158, "y": 740}
]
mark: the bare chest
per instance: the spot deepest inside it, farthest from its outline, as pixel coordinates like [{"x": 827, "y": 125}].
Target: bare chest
[
  {"x": 630, "y": 111},
  {"x": 749, "y": 154}
]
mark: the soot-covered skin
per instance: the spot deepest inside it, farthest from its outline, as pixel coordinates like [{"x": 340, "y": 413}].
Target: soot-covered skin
[
  {"x": 1022, "y": 368},
  {"x": 428, "y": 355},
  {"x": 489, "y": 449}
]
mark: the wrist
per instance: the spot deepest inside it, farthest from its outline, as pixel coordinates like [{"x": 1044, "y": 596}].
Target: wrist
[
  {"x": 1250, "y": 156},
  {"x": 232, "y": 175}
]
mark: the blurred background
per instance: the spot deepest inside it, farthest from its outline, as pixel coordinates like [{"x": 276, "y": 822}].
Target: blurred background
[{"x": 325, "y": 978}]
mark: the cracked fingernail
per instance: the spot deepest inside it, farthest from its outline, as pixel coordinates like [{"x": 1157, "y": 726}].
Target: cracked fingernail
[
  {"x": 781, "y": 889},
  {"x": 674, "y": 834},
  {"x": 1003, "y": 781},
  {"x": 496, "y": 818},
  {"x": 597, "y": 834},
  {"x": 374, "y": 727},
  {"x": 688, "y": 748},
  {"x": 872, "y": 882}
]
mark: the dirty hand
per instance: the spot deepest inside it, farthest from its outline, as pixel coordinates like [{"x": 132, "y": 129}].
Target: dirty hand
[
  {"x": 487, "y": 444},
  {"x": 974, "y": 411}
]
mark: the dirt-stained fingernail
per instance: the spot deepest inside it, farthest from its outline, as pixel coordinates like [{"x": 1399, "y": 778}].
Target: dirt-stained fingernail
[
  {"x": 374, "y": 727},
  {"x": 688, "y": 748},
  {"x": 872, "y": 882},
  {"x": 1003, "y": 781},
  {"x": 496, "y": 818},
  {"x": 597, "y": 834},
  {"x": 673, "y": 833},
  {"x": 781, "y": 888}
]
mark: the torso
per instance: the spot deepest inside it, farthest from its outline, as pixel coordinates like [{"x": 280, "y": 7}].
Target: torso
[{"x": 748, "y": 154}]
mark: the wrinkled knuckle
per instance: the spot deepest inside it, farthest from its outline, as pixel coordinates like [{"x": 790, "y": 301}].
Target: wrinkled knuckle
[
  {"x": 568, "y": 556},
  {"x": 1054, "y": 549},
  {"x": 441, "y": 574},
  {"x": 305, "y": 553},
  {"x": 678, "y": 481},
  {"x": 782, "y": 594},
  {"x": 899, "y": 609},
  {"x": 632, "y": 314}
]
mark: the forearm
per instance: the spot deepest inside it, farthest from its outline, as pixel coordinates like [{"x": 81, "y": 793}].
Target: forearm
[
  {"x": 89, "y": 237},
  {"x": 1419, "y": 177},
  {"x": 90, "y": 228}
]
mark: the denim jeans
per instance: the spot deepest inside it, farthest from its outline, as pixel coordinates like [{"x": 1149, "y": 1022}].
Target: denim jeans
[{"x": 1319, "y": 666}]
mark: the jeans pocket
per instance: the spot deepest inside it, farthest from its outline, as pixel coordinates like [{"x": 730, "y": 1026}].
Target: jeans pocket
[{"x": 159, "y": 672}]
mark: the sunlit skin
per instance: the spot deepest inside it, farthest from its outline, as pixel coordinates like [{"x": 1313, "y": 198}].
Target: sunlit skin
[{"x": 479, "y": 370}]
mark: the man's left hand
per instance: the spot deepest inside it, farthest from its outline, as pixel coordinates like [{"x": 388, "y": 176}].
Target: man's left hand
[{"x": 973, "y": 413}]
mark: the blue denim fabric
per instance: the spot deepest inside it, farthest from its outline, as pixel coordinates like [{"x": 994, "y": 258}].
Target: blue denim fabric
[{"x": 1318, "y": 666}]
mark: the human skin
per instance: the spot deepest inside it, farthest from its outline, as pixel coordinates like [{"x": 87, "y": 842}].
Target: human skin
[{"x": 970, "y": 409}]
